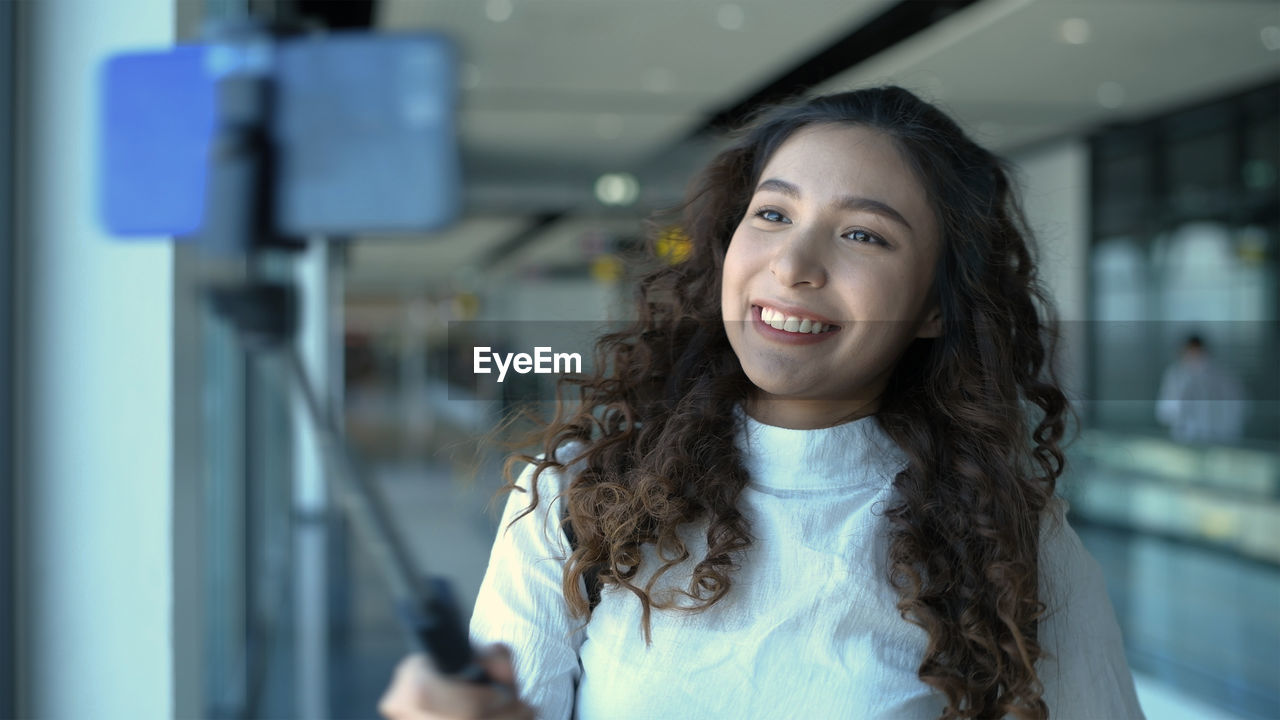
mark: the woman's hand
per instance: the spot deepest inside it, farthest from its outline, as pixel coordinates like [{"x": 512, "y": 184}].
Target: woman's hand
[{"x": 418, "y": 692}]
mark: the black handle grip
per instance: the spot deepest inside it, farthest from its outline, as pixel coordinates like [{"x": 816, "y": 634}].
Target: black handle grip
[{"x": 437, "y": 626}]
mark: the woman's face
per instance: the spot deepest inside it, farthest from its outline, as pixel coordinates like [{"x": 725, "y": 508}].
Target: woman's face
[{"x": 837, "y": 232}]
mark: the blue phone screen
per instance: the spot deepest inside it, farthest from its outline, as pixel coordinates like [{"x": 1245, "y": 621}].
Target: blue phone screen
[
  {"x": 155, "y": 132},
  {"x": 363, "y": 136}
]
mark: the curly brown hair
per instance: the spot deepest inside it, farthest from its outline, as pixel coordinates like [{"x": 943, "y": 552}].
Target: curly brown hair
[{"x": 977, "y": 411}]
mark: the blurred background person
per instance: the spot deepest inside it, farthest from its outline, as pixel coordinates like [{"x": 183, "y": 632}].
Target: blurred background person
[{"x": 1200, "y": 400}]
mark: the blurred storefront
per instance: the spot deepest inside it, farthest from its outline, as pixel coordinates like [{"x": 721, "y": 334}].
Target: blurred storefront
[{"x": 1185, "y": 236}]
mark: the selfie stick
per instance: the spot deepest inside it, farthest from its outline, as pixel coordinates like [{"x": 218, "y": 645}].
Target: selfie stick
[{"x": 240, "y": 217}]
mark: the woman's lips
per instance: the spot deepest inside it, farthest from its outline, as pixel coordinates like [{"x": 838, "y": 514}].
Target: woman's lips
[
  {"x": 785, "y": 336},
  {"x": 787, "y": 311}
]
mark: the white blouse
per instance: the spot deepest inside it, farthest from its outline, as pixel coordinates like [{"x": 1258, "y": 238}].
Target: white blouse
[{"x": 810, "y": 627}]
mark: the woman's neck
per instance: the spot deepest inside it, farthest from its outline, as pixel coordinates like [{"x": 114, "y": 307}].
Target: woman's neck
[{"x": 806, "y": 414}]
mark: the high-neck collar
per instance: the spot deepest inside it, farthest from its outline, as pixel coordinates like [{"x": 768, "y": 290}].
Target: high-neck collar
[{"x": 855, "y": 453}]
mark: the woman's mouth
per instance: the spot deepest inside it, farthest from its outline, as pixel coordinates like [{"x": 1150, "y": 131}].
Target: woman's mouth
[
  {"x": 779, "y": 320},
  {"x": 778, "y": 326}
]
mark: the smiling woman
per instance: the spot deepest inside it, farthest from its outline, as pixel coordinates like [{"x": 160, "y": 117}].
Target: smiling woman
[
  {"x": 816, "y": 478},
  {"x": 823, "y": 243}
]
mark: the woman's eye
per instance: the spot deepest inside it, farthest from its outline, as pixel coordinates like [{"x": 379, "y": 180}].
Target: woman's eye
[
  {"x": 770, "y": 215},
  {"x": 862, "y": 236}
]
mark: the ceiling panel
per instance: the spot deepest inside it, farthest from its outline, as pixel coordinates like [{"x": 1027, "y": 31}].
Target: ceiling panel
[
  {"x": 432, "y": 260},
  {"x": 582, "y": 65},
  {"x": 593, "y": 140},
  {"x": 574, "y": 241},
  {"x": 1007, "y": 68},
  {"x": 562, "y": 90}
]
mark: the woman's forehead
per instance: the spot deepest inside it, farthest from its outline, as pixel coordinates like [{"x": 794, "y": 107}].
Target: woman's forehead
[{"x": 848, "y": 152}]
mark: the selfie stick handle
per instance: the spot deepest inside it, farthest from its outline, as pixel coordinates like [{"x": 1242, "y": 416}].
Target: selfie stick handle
[{"x": 239, "y": 221}]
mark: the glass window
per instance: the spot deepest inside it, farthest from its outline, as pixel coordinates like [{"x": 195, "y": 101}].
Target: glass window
[
  {"x": 1200, "y": 159},
  {"x": 1177, "y": 470},
  {"x": 1123, "y": 189},
  {"x": 1186, "y": 220},
  {"x": 1260, "y": 168},
  {"x": 247, "y": 523},
  {"x": 247, "y": 526}
]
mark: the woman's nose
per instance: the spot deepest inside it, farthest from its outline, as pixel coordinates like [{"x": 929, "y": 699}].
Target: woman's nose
[{"x": 798, "y": 259}]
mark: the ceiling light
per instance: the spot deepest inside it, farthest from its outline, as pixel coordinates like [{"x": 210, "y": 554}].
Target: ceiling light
[
  {"x": 618, "y": 189},
  {"x": 1074, "y": 31},
  {"x": 1110, "y": 95},
  {"x": 1271, "y": 37},
  {"x": 730, "y": 16},
  {"x": 498, "y": 10}
]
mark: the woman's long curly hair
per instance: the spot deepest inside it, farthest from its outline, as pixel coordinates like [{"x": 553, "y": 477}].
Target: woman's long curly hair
[{"x": 976, "y": 410}]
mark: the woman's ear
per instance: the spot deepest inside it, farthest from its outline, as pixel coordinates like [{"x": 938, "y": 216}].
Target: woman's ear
[{"x": 931, "y": 325}]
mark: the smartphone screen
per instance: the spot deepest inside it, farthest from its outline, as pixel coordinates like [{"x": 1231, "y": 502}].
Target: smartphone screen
[
  {"x": 365, "y": 132},
  {"x": 156, "y": 115},
  {"x": 364, "y": 136}
]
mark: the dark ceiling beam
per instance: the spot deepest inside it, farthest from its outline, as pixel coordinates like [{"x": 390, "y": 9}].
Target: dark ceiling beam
[{"x": 522, "y": 237}]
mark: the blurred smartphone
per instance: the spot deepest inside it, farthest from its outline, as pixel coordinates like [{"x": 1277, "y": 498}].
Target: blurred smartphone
[{"x": 364, "y": 136}]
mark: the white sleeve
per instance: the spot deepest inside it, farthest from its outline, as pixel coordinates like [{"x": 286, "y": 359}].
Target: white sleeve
[
  {"x": 522, "y": 606},
  {"x": 1088, "y": 677}
]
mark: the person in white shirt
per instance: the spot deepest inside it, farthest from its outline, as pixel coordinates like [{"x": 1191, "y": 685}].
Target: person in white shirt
[
  {"x": 1199, "y": 400},
  {"x": 816, "y": 478}
]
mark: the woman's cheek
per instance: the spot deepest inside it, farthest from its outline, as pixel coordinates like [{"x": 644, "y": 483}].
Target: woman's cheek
[{"x": 731, "y": 283}]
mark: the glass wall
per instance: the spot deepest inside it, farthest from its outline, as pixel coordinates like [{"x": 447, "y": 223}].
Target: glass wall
[
  {"x": 1185, "y": 231},
  {"x": 248, "y": 527},
  {"x": 1176, "y": 478},
  {"x": 247, "y": 514}
]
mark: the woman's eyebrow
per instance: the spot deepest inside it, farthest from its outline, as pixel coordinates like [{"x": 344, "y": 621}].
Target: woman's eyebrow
[{"x": 848, "y": 202}]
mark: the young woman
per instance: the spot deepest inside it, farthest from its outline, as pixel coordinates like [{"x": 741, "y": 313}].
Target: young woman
[{"x": 815, "y": 479}]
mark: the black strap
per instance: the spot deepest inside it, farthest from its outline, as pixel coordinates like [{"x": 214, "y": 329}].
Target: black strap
[{"x": 592, "y": 574}]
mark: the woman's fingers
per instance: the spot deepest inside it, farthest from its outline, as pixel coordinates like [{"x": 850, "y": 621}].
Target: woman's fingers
[
  {"x": 418, "y": 692},
  {"x": 404, "y": 699},
  {"x": 497, "y": 662}
]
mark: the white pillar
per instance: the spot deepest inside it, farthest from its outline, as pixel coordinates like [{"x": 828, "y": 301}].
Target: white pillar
[
  {"x": 96, "y": 382},
  {"x": 1055, "y": 184}
]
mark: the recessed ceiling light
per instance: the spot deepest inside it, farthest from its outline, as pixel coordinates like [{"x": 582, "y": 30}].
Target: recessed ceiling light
[
  {"x": 730, "y": 16},
  {"x": 1074, "y": 31},
  {"x": 617, "y": 189},
  {"x": 1271, "y": 37},
  {"x": 498, "y": 10},
  {"x": 1110, "y": 95}
]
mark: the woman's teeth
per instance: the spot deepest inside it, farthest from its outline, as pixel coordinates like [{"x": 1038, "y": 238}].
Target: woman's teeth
[{"x": 790, "y": 323}]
